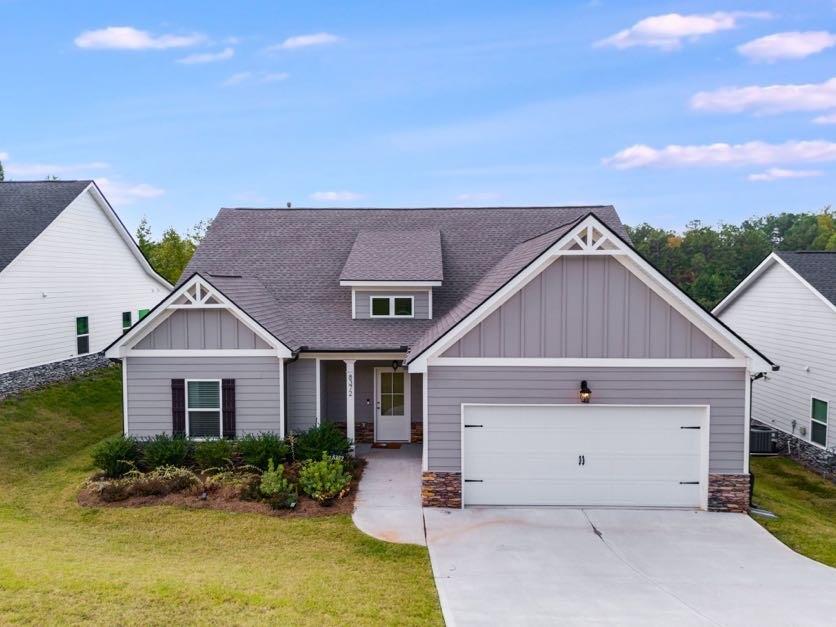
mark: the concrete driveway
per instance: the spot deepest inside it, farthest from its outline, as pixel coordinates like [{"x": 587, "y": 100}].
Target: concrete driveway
[{"x": 621, "y": 567}]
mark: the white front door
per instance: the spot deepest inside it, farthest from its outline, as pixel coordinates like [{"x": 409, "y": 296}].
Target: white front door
[{"x": 391, "y": 414}]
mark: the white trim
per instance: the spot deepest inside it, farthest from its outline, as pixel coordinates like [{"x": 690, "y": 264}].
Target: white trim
[
  {"x": 407, "y": 401},
  {"x": 350, "y": 381},
  {"x": 392, "y": 300},
  {"x": 318, "y": 393},
  {"x": 651, "y": 277},
  {"x": 353, "y": 304},
  {"x": 593, "y": 362},
  {"x": 705, "y": 435},
  {"x": 747, "y": 420},
  {"x": 125, "y": 396},
  {"x": 337, "y": 356},
  {"x": 754, "y": 274},
  {"x": 812, "y": 420},
  {"x": 220, "y": 405},
  {"x": 400, "y": 284},
  {"x": 282, "y": 395},
  {"x": 227, "y": 352},
  {"x": 78, "y": 335},
  {"x": 430, "y": 304},
  {"x": 425, "y": 419}
]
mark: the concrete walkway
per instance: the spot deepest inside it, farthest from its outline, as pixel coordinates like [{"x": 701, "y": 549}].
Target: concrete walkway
[{"x": 388, "y": 503}]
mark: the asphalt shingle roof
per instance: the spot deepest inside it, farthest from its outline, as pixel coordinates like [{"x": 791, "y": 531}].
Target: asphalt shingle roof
[
  {"x": 297, "y": 256},
  {"x": 818, "y": 268},
  {"x": 406, "y": 255},
  {"x": 27, "y": 208}
]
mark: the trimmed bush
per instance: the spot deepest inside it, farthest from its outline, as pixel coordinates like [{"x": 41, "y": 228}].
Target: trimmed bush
[
  {"x": 159, "y": 482},
  {"x": 240, "y": 483},
  {"x": 324, "y": 480},
  {"x": 213, "y": 453},
  {"x": 327, "y": 439},
  {"x": 259, "y": 450},
  {"x": 277, "y": 489},
  {"x": 116, "y": 456},
  {"x": 164, "y": 450}
]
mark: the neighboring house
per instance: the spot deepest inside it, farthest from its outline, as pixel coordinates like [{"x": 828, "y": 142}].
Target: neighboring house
[
  {"x": 71, "y": 279},
  {"x": 476, "y": 331},
  {"x": 787, "y": 307}
]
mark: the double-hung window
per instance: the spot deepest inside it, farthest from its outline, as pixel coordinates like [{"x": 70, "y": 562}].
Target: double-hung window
[
  {"x": 391, "y": 306},
  {"x": 818, "y": 422},
  {"x": 126, "y": 321},
  {"x": 203, "y": 408},
  {"x": 82, "y": 335}
]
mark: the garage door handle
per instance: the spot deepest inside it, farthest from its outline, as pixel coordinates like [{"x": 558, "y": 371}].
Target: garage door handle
[
  {"x": 581, "y": 460},
  {"x": 473, "y": 481},
  {"x": 689, "y": 427},
  {"x": 689, "y": 483},
  {"x": 473, "y": 426}
]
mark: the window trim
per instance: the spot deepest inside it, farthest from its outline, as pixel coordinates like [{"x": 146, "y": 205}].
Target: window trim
[
  {"x": 130, "y": 315},
  {"x": 81, "y": 335},
  {"x": 220, "y": 408},
  {"x": 391, "y": 300},
  {"x": 819, "y": 422}
]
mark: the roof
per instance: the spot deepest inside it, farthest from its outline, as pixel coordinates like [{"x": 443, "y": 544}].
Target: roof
[
  {"x": 297, "y": 256},
  {"x": 27, "y": 208},
  {"x": 818, "y": 268},
  {"x": 405, "y": 255}
]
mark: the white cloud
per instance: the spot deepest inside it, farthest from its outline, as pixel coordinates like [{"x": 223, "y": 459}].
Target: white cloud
[
  {"x": 207, "y": 57},
  {"x": 305, "y": 41},
  {"x": 829, "y": 118},
  {"x": 721, "y": 154},
  {"x": 340, "y": 196},
  {"x": 254, "y": 77},
  {"x": 43, "y": 170},
  {"x": 668, "y": 31},
  {"x": 789, "y": 45},
  {"x": 130, "y": 38},
  {"x": 120, "y": 193},
  {"x": 4, "y": 156},
  {"x": 478, "y": 196},
  {"x": 768, "y": 98},
  {"x": 774, "y": 174}
]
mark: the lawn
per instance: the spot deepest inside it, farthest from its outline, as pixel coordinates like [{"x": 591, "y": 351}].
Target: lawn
[
  {"x": 61, "y": 563},
  {"x": 804, "y": 502}
]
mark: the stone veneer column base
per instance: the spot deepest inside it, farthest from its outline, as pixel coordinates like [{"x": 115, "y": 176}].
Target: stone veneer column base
[
  {"x": 363, "y": 431},
  {"x": 441, "y": 489},
  {"x": 728, "y": 493},
  {"x": 417, "y": 434}
]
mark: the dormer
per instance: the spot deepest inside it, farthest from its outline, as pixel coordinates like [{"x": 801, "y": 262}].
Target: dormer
[{"x": 392, "y": 273}]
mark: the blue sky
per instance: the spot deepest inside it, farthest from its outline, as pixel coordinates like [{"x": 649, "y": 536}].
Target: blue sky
[{"x": 180, "y": 108}]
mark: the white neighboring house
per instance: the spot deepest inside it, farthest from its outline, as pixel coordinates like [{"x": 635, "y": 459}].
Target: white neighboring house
[
  {"x": 72, "y": 279},
  {"x": 787, "y": 308}
]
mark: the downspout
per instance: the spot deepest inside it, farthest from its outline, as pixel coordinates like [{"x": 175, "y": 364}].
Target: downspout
[
  {"x": 294, "y": 357},
  {"x": 752, "y": 379}
]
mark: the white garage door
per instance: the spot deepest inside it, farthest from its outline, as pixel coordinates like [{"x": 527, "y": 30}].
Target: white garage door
[{"x": 585, "y": 455}]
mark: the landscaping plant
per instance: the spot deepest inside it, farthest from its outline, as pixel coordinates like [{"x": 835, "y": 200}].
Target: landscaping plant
[
  {"x": 278, "y": 489},
  {"x": 259, "y": 450},
  {"x": 311, "y": 444},
  {"x": 158, "y": 482},
  {"x": 324, "y": 480},
  {"x": 116, "y": 456},
  {"x": 165, "y": 450},
  {"x": 213, "y": 453}
]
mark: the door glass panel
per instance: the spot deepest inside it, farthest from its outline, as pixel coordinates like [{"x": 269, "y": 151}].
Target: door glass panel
[
  {"x": 397, "y": 405},
  {"x": 385, "y": 382},
  {"x": 385, "y": 404},
  {"x": 397, "y": 382}
]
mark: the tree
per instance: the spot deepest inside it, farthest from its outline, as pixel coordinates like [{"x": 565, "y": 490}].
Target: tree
[
  {"x": 2, "y": 173},
  {"x": 171, "y": 254}
]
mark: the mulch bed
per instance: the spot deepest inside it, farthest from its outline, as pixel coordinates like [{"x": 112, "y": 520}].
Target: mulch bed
[{"x": 306, "y": 507}]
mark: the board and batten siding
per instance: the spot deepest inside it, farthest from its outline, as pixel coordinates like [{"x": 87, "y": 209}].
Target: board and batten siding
[
  {"x": 257, "y": 390},
  {"x": 201, "y": 329},
  {"x": 791, "y": 325},
  {"x": 586, "y": 307},
  {"x": 721, "y": 388},
  {"x": 420, "y": 304},
  {"x": 78, "y": 266}
]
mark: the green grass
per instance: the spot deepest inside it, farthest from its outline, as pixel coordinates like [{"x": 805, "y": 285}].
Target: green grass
[
  {"x": 61, "y": 563},
  {"x": 804, "y": 502}
]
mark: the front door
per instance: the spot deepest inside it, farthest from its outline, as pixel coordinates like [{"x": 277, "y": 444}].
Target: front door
[{"x": 391, "y": 405}]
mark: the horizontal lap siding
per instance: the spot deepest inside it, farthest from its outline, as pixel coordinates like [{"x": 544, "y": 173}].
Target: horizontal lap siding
[
  {"x": 722, "y": 388},
  {"x": 257, "y": 390},
  {"x": 301, "y": 395},
  {"x": 421, "y": 302}
]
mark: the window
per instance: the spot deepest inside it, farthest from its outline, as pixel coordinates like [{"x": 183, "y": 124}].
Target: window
[
  {"x": 126, "y": 321},
  {"x": 203, "y": 409},
  {"x": 82, "y": 335},
  {"x": 391, "y": 306},
  {"x": 142, "y": 313},
  {"x": 392, "y": 395},
  {"x": 818, "y": 422}
]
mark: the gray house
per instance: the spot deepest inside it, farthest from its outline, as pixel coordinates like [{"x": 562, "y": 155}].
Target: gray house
[{"x": 535, "y": 354}]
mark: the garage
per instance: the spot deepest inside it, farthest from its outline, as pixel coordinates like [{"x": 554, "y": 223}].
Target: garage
[{"x": 585, "y": 455}]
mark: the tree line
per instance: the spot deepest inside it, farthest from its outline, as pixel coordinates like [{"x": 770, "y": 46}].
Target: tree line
[{"x": 170, "y": 254}]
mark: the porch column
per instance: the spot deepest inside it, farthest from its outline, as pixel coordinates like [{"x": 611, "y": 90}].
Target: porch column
[{"x": 349, "y": 398}]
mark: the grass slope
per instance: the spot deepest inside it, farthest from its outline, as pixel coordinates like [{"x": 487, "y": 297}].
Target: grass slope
[
  {"x": 804, "y": 502},
  {"x": 63, "y": 563}
]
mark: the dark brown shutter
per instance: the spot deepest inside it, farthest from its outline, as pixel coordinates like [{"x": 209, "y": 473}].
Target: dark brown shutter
[
  {"x": 178, "y": 406},
  {"x": 228, "y": 387}
]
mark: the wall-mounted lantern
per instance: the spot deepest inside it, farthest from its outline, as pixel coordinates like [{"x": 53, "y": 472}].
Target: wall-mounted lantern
[
  {"x": 585, "y": 394},
  {"x": 395, "y": 365}
]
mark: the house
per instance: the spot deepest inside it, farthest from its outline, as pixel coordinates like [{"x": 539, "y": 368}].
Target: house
[
  {"x": 536, "y": 355},
  {"x": 71, "y": 280},
  {"x": 787, "y": 306}
]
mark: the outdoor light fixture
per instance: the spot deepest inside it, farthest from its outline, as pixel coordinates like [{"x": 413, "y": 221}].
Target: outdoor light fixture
[
  {"x": 585, "y": 394},
  {"x": 395, "y": 365}
]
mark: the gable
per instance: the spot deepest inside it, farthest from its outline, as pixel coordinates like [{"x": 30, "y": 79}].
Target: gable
[
  {"x": 201, "y": 329},
  {"x": 586, "y": 307}
]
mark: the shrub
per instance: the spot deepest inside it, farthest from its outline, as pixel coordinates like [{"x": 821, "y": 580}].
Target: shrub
[
  {"x": 159, "y": 482},
  {"x": 116, "y": 456},
  {"x": 240, "y": 483},
  {"x": 259, "y": 450},
  {"x": 325, "y": 479},
  {"x": 164, "y": 450},
  {"x": 276, "y": 488},
  {"x": 326, "y": 438},
  {"x": 213, "y": 453}
]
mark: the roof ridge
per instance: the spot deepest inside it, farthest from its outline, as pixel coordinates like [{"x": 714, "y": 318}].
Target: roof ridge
[
  {"x": 453, "y": 208},
  {"x": 52, "y": 181}
]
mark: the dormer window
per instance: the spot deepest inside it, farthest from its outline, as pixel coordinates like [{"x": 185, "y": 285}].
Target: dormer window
[{"x": 391, "y": 306}]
